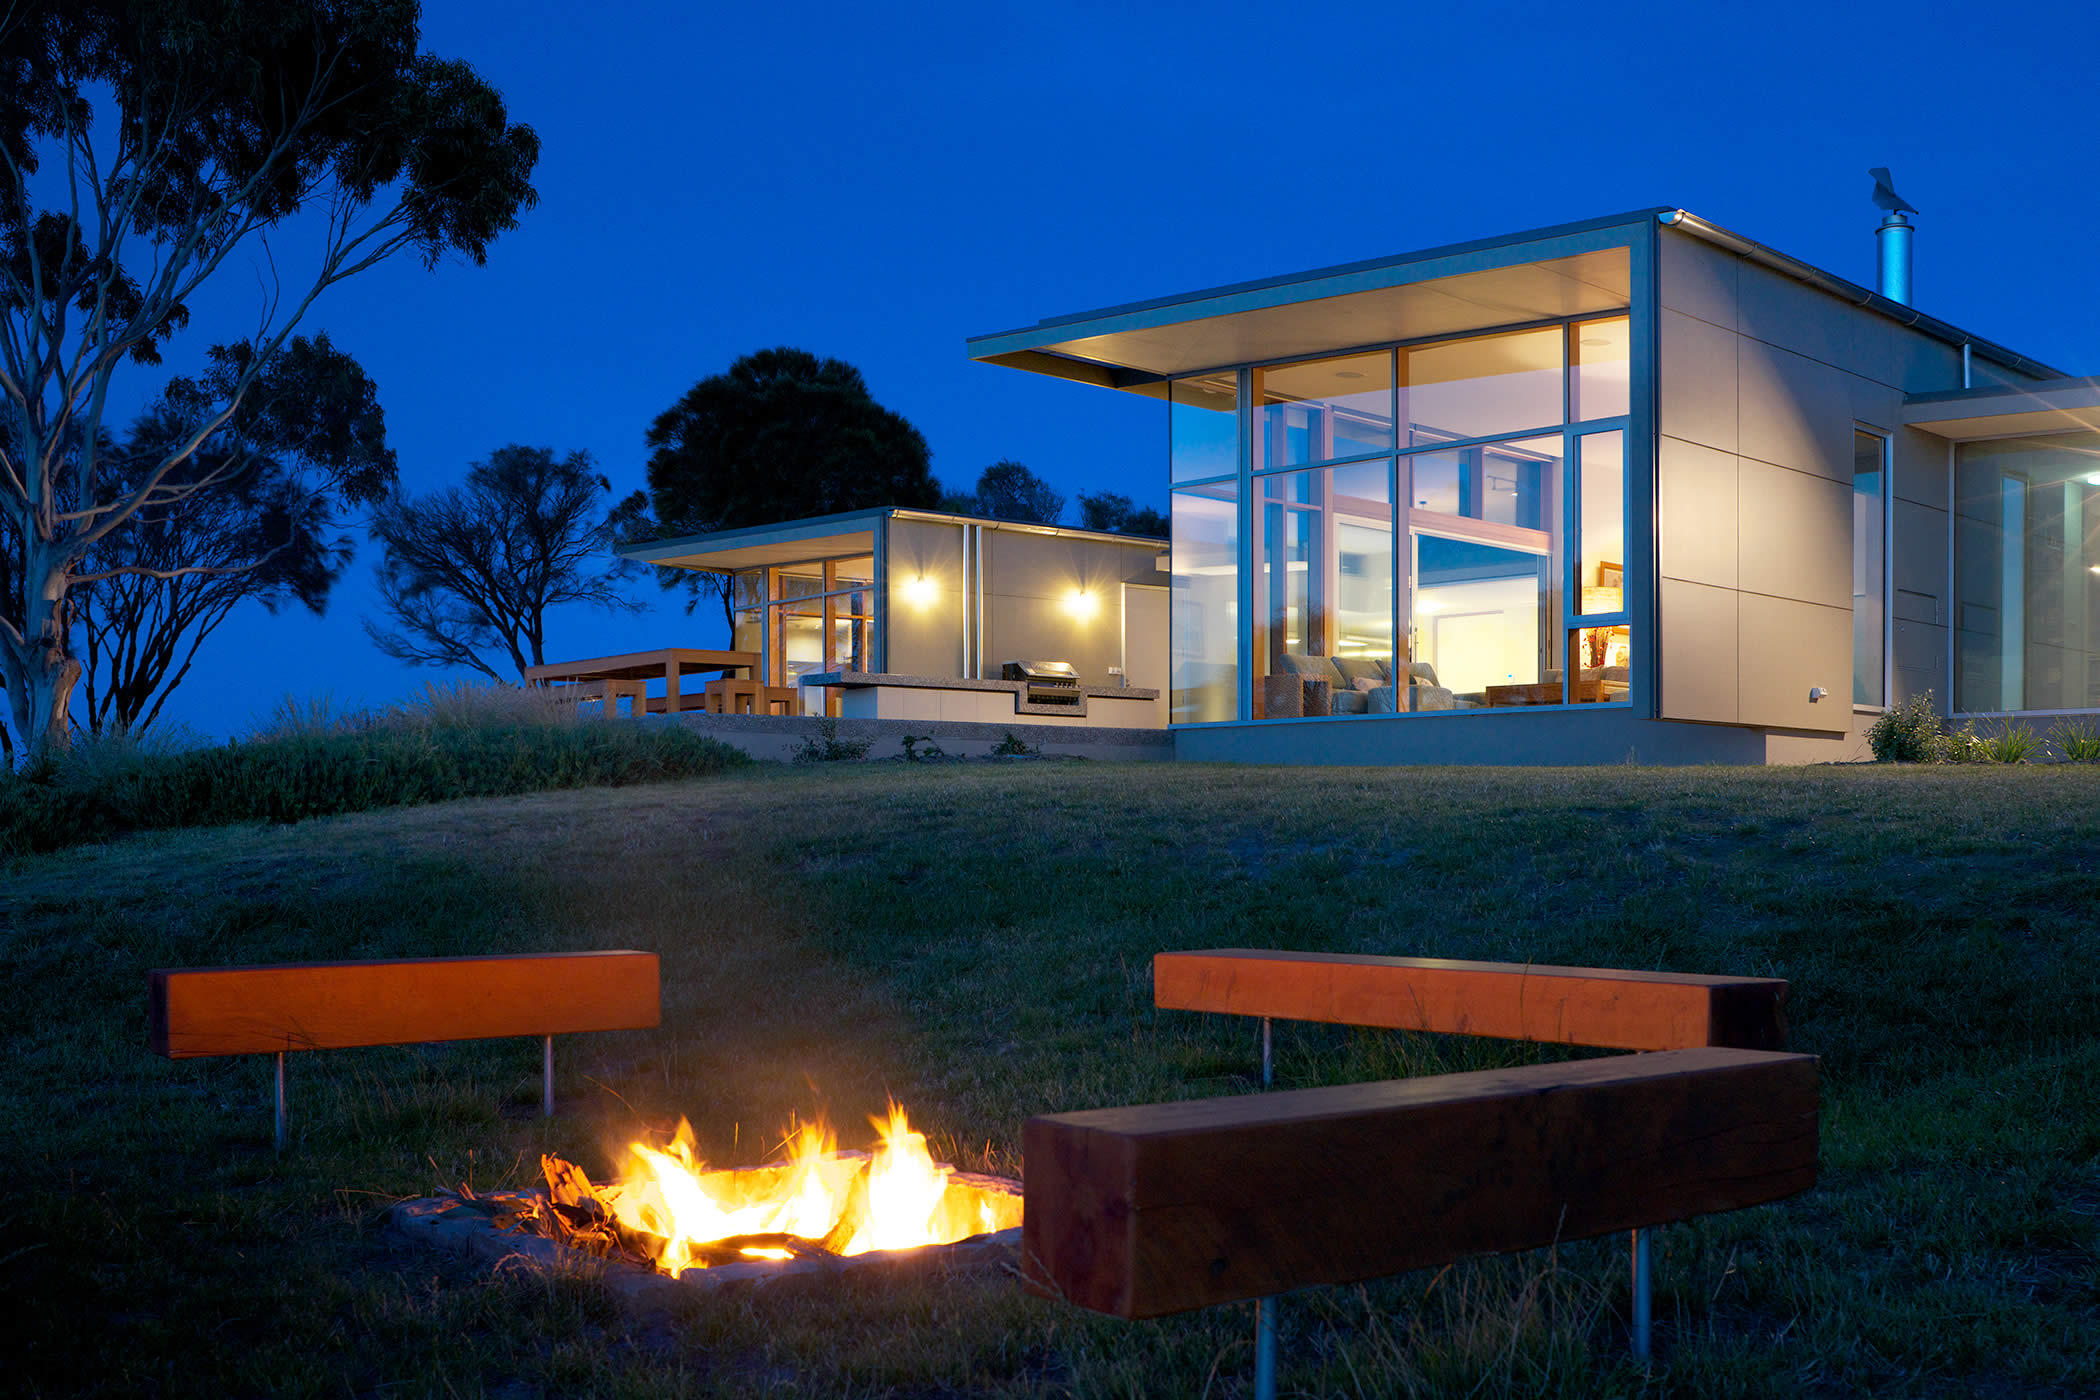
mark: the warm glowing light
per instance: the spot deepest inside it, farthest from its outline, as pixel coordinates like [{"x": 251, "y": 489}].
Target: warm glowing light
[
  {"x": 896, "y": 1197},
  {"x": 921, "y": 591},
  {"x": 2093, "y": 479},
  {"x": 1082, "y": 604}
]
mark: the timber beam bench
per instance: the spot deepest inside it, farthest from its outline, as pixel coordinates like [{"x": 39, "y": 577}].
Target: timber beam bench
[
  {"x": 1160, "y": 1208},
  {"x": 280, "y": 1008}
]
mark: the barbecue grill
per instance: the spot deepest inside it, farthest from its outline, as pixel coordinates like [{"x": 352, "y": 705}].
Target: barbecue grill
[{"x": 1047, "y": 682}]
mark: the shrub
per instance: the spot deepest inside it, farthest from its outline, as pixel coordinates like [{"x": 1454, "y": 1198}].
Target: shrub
[
  {"x": 1907, "y": 733},
  {"x": 1012, "y": 746},
  {"x": 65, "y": 800},
  {"x": 2077, "y": 742},
  {"x": 825, "y": 746},
  {"x": 931, "y": 753},
  {"x": 1964, "y": 745},
  {"x": 2012, "y": 746}
]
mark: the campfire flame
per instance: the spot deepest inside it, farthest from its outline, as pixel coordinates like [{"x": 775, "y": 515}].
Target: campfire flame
[{"x": 896, "y": 1197}]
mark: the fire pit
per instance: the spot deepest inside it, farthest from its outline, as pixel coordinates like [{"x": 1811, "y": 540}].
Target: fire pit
[{"x": 672, "y": 1217}]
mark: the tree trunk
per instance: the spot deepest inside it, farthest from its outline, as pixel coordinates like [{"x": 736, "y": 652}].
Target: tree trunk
[{"x": 42, "y": 673}]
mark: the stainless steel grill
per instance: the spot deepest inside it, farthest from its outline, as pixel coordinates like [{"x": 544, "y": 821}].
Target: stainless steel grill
[{"x": 1048, "y": 682}]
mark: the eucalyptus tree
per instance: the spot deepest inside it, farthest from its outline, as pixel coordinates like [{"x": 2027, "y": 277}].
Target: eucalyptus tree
[
  {"x": 469, "y": 572},
  {"x": 159, "y": 588},
  {"x": 144, "y": 146}
]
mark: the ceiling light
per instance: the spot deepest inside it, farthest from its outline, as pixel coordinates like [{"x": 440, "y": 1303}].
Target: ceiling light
[
  {"x": 2093, "y": 480},
  {"x": 1348, "y": 374},
  {"x": 1595, "y": 340}
]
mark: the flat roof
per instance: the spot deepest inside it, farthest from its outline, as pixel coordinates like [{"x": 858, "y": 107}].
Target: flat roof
[
  {"x": 1997, "y": 410},
  {"x": 1538, "y": 275},
  {"x": 831, "y": 537}
]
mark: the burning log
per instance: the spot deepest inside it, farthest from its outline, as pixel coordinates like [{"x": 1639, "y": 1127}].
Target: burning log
[{"x": 819, "y": 1205}]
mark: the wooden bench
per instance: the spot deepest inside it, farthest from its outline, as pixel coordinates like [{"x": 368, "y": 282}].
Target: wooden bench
[
  {"x": 1592, "y": 1006},
  {"x": 280, "y": 1008},
  {"x": 1161, "y": 1208}
]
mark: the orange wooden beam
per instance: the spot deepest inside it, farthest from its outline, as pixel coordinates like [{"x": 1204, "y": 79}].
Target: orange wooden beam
[
  {"x": 1162, "y": 1208},
  {"x": 1513, "y": 1001},
  {"x": 320, "y": 1006}
]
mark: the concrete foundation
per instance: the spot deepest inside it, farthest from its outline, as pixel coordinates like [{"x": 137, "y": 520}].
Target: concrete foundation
[{"x": 777, "y": 737}]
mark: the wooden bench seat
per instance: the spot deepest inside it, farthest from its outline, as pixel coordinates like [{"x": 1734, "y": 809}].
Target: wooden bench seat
[
  {"x": 1594, "y": 1006},
  {"x": 280, "y": 1008},
  {"x": 1160, "y": 1208}
]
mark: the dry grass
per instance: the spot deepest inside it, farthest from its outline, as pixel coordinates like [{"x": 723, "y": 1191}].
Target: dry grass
[{"x": 975, "y": 941}]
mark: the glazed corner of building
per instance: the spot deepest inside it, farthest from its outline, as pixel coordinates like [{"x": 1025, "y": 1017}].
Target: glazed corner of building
[{"x": 1754, "y": 380}]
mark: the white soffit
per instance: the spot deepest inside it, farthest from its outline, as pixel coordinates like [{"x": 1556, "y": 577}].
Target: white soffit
[
  {"x": 1575, "y": 285},
  {"x": 699, "y": 554},
  {"x": 1447, "y": 306}
]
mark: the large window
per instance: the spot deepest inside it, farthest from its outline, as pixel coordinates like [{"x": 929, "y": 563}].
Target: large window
[
  {"x": 820, "y": 617},
  {"x": 1431, "y": 527},
  {"x": 2027, "y": 574},
  {"x": 1869, "y": 569},
  {"x": 1204, "y": 680}
]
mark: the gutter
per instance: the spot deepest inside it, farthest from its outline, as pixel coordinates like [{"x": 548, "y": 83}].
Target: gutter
[{"x": 1852, "y": 292}]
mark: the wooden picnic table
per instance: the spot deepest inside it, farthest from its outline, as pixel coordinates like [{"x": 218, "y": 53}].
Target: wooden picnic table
[{"x": 669, "y": 663}]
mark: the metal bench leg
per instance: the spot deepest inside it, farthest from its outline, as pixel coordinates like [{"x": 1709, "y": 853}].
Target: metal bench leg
[
  {"x": 1641, "y": 1296},
  {"x": 1265, "y": 1308},
  {"x": 284, "y": 1113},
  {"x": 547, "y": 1077}
]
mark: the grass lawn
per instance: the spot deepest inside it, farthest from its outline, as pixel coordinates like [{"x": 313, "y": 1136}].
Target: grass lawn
[{"x": 975, "y": 939}]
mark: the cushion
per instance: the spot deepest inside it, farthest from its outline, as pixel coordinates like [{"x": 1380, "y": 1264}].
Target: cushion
[
  {"x": 1349, "y": 702},
  {"x": 1358, "y": 669},
  {"x": 1313, "y": 668},
  {"x": 1367, "y": 683},
  {"x": 1380, "y": 701},
  {"x": 1421, "y": 673}
]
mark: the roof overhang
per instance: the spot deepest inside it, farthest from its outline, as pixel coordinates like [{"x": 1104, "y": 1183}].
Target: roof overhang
[
  {"x": 1968, "y": 415},
  {"x": 724, "y": 551},
  {"x": 1544, "y": 275},
  {"x": 831, "y": 537}
]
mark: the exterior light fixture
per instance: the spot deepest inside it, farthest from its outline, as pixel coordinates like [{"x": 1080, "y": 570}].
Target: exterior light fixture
[
  {"x": 1082, "y": 604},
  {"x": 921, "y": 591},
  {"x": 2093, "y": 480}
]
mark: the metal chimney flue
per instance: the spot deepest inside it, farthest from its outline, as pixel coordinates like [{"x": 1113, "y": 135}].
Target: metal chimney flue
[{"x": 1893, "y": 237}]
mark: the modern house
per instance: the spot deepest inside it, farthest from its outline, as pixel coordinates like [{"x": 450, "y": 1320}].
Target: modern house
[
  {"x": 917, "y": 615},
  {"x": 1632, "y": 487}
]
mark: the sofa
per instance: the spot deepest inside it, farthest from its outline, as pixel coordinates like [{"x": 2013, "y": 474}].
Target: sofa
[{"x": 1361, "y": 685}]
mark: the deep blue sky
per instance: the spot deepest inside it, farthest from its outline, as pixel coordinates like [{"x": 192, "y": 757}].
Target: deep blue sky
[{"x": 878, "y": 182}]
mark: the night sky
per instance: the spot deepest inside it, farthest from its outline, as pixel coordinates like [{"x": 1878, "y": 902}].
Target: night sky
[{"x": 879, "y": 182}]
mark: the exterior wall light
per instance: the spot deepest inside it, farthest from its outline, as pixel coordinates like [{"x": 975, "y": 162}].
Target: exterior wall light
[
  {"x": 921, "y": 591},
  {"x": 1082, "y": 604}
]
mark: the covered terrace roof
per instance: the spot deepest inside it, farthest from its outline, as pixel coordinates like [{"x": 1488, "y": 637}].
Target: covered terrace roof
[{"x": 828, "y": 537}]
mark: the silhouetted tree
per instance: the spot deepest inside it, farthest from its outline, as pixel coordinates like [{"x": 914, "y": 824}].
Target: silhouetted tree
[
  {"x": 218, "y": 122},
  {"x": 1118, "y": 514},
  {"x": 165, "y": 582},
  {"x": 780, "y": 435},
  {"x": 474, "y": 569},
  {"x": 1006, "y": 490}
]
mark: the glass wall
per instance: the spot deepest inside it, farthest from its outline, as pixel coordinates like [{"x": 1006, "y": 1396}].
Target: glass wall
[
  {"x": 821, "y": 617},
  {"x": 2027, "y": 574},
  {"x": 1323, "y": 411},
  {"x": 1204, "y": 683},
  {"x": 1203, "y": 427},
  {"x": 1428, "y": 527}
]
